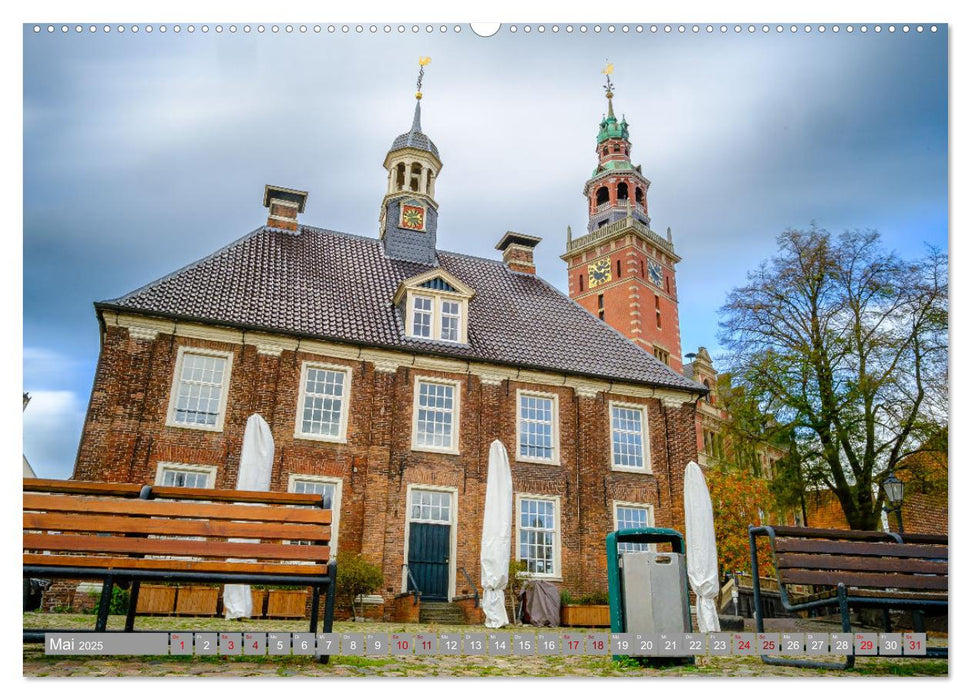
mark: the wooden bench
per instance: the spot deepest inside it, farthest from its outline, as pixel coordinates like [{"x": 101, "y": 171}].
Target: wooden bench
[
  {"x": 854, "y": 569},
  {"x": 125, "y": 534}
]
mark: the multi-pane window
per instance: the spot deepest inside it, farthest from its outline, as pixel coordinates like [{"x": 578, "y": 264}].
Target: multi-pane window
[
  {"x": 421, "y": 320},
  {"x": 331, "y": 492},
  {"x": 451, "y": 320},
  {"x": 323, "y": 404},
  {"x": 537, "y": 427},
  {"x": 627, "y": 437},
  {"x": 431, "y": 506},
  {"x": 186, "y": 477},
  {"x": 435, "y": 415},
  {"x": 199, "y": 390},
  {"x": 537, "y": 535},
  {"x": 629, "y": 517}
]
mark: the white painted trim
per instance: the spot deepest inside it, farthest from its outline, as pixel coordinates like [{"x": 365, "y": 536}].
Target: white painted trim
[
  {"x": 208, "y": 469},
  {"x": 456, "y": 415},
  {"x": 557, "y": 574},
  {"x": 437, "y": 297},
  {"x": 223, "y": 396},
  {"x": 335, "y": 518},
  {"x": 345, "y": 402},
  {"x": 645, "y": 437},
  {"x": 391, "y": 359},
  {"x": 555, "y": 461},
  {"x": 453, "y": 533}
]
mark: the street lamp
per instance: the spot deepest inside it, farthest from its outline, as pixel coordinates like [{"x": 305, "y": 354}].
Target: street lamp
[{"x": 893, "y": 491}]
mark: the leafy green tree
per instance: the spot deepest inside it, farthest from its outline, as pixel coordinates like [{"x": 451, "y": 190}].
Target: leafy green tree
[
  {"x": 845, "y": 344},
  {"x": 356, "y": 576}
]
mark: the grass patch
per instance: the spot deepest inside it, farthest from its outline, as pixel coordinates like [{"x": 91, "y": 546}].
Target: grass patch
[{"x": 935, "y": 667}]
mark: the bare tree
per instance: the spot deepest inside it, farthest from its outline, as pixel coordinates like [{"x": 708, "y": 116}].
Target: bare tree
[{"x": 846, "y": 345}]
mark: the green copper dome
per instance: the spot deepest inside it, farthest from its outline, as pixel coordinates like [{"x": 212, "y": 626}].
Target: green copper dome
[{"x": 610, "y": 128}]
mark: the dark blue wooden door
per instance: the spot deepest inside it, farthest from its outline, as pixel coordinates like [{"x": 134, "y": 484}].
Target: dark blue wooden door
[{"x": 428, "y": 547}]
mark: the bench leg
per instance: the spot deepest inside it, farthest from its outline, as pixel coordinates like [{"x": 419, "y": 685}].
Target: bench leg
[
  {"x": 314, "y": 608},
  {"x": 105, "y": 603},
  {"x": 329, "y": 604},
  {"x": 919, "y": 624},
  {"x": 132, "y": 604}
]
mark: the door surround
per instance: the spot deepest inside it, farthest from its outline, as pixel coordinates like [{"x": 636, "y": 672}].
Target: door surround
[{"x": 452, "y": 535}]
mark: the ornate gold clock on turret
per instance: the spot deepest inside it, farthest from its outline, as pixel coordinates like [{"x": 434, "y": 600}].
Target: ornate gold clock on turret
[{"x": 599, "y": 272}]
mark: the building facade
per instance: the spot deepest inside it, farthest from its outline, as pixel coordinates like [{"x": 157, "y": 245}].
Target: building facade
[{"x": 385, "y": 368}]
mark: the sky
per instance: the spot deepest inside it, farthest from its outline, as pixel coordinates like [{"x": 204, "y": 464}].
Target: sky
[{"x": 144, "y": 152}]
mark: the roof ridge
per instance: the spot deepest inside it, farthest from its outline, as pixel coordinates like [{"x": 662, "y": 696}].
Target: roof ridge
[{"x": 187, "y": 267}]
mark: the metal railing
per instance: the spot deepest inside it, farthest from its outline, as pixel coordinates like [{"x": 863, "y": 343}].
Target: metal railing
[
  {"x": 414, "y": 585},
  {"x": 615, "y": 227},
  {"x": 468, "y": 578}
]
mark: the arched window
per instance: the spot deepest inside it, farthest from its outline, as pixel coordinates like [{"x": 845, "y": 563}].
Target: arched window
[
  {"x": 622, "y": 192},
  {"x": 581, "y": 282},
  {"x": 711, "y": 397},
  {"x": 399, "y": 179},
  {"x": 603, "y": 196},
  {"x": 638, "y": 195},
  {"x": 415, "y": 177}
]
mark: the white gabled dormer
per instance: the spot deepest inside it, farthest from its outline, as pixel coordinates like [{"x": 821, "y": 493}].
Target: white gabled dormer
[{"x": 435, "y": 306}]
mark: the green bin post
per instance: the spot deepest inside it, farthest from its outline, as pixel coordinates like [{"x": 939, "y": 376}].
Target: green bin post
[{"x": 644, "y": 535}]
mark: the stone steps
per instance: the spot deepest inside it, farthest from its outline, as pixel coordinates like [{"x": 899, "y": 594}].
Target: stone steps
[{"x": 441, "y": 613}]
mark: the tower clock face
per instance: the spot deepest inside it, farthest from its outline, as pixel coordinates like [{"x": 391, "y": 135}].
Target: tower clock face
[
  {"x": 654, "y": 272},
  {"x": 413, "y": 217},
  {"x": 599, "y": 272}
]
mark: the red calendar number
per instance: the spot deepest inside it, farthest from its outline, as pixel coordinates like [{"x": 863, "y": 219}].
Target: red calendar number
[
  {"x": 866, "y": 645},
  {"x": 744, "y": 645},
  {"x": 573, "y": 644}
]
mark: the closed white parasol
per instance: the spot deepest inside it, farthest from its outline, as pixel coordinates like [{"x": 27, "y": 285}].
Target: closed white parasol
[
  {"x": 702, "y": 554},
  {"x": 255, "y": 469},
  {"x": 496, "y": 537}
]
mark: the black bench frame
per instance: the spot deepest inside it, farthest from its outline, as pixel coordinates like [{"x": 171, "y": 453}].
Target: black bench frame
[
  {"x": 843, "y": 600},
  {"x": 110, "y": 577}
]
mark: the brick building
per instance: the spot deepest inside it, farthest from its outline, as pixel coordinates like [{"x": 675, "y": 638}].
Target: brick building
[{"x": 385, "y": 368}]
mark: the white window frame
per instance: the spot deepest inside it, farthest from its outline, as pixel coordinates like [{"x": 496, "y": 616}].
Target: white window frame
[
  {"x": 437, "y": 297},
  {"x": 645, "y": 438},
  {"x": 555, "y": 460},
  {"x": 649, "y": 507},
  {"x": 557, "y": 574},
  {"x": 335, "y": 518},
  {"x": 456, "y": 415},
  {"x": 207, "y": 469},
  {"x": 345, "y": 402},
  {"x": 177, "y": 378},
  {"x": 453, "y": 532}
]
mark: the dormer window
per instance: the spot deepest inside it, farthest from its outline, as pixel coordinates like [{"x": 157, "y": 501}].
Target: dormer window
[{"x": 435, "y": 306}]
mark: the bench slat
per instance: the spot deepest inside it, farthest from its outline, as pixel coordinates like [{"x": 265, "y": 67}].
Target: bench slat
[
  {"x": 177, "y": 492},
  {"x": 841, "y": 563},
  {"x": 831, "y": 534},
  {"x": 863, "y": 580},
  {"x": 865, "y": 549},
  {"x": 174, "y": 565},
  {"x": 73, "y": 522},
  {"x": 174, "y": 547},
  {"x": 214, "y": 511}
]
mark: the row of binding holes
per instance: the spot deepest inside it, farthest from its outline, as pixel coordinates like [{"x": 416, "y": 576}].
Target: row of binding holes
[
  {"x": 247, "y": 29},
  {"x": 428, "y": 28}
]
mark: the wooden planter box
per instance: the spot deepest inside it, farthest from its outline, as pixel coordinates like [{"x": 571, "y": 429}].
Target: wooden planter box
[
  {"x": 196, "y": 600},
  {"x": 155, "y": 600},
  {"x": 575, "y": 615},
  {"x": 259, "y": 600},
  {"x": 291, "y": 604}
]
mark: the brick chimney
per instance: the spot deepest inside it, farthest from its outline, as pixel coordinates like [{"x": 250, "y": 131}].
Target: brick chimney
[
  {"x": 517, "y": 251},
  {"x": 284, "y": 205}
]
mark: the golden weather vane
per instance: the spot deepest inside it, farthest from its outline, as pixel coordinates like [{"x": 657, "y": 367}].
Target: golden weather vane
[
  {"x": 609, "y": 86},
  {"x": 422, "y": 62}
]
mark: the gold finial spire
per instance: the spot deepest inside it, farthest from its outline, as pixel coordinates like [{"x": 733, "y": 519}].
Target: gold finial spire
[
  {"x": 609, "y": 87},
  {"x": 422, "y": 62}
]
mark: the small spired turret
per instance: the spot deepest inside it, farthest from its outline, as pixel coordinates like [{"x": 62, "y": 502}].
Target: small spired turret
[
  {"x": 617, "y": 189},
  {"x": 409, "y": 212}
]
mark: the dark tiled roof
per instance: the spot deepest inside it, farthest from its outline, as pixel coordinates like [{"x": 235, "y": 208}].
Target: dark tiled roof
[
  {"x": 335, "y": 286},
  {"x": 415, "y": 138}
]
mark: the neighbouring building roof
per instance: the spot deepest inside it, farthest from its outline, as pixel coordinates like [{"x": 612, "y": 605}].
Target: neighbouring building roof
[{"x": 339, "y": 287}]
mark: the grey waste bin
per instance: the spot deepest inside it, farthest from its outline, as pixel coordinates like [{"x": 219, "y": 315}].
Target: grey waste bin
[{"x": 655, "y": 593}]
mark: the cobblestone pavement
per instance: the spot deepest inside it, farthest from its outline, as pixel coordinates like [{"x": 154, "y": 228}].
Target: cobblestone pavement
[{"x": 36, "y": 664}]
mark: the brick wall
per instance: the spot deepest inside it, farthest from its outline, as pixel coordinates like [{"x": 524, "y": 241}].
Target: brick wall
[{"x": 125, "y": 437}]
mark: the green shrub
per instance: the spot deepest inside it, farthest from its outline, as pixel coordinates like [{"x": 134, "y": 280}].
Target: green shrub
[
  {"x": 356, "y": 576},
  {"x": 119, "y": 601},
  {"x": 566, "y": 598}
]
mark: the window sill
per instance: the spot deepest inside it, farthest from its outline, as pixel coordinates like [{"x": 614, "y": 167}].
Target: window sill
[
  {"x": 536, "y": 460},
  {"x": 321, "y": 438},
  {"x": 435, "y": 450},
  {"x": 631, "y": 470},
  {"x": 218, "y": 428},
  {"x": 557, "y": 578}
]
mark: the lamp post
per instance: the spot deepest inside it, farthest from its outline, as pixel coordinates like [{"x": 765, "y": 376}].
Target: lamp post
[{"x": 893, "y": 491}]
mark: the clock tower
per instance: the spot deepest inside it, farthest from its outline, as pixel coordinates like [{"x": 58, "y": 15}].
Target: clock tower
[
  {"x": 408, "y": 222},
  {"x": 621, "y": 270}
]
